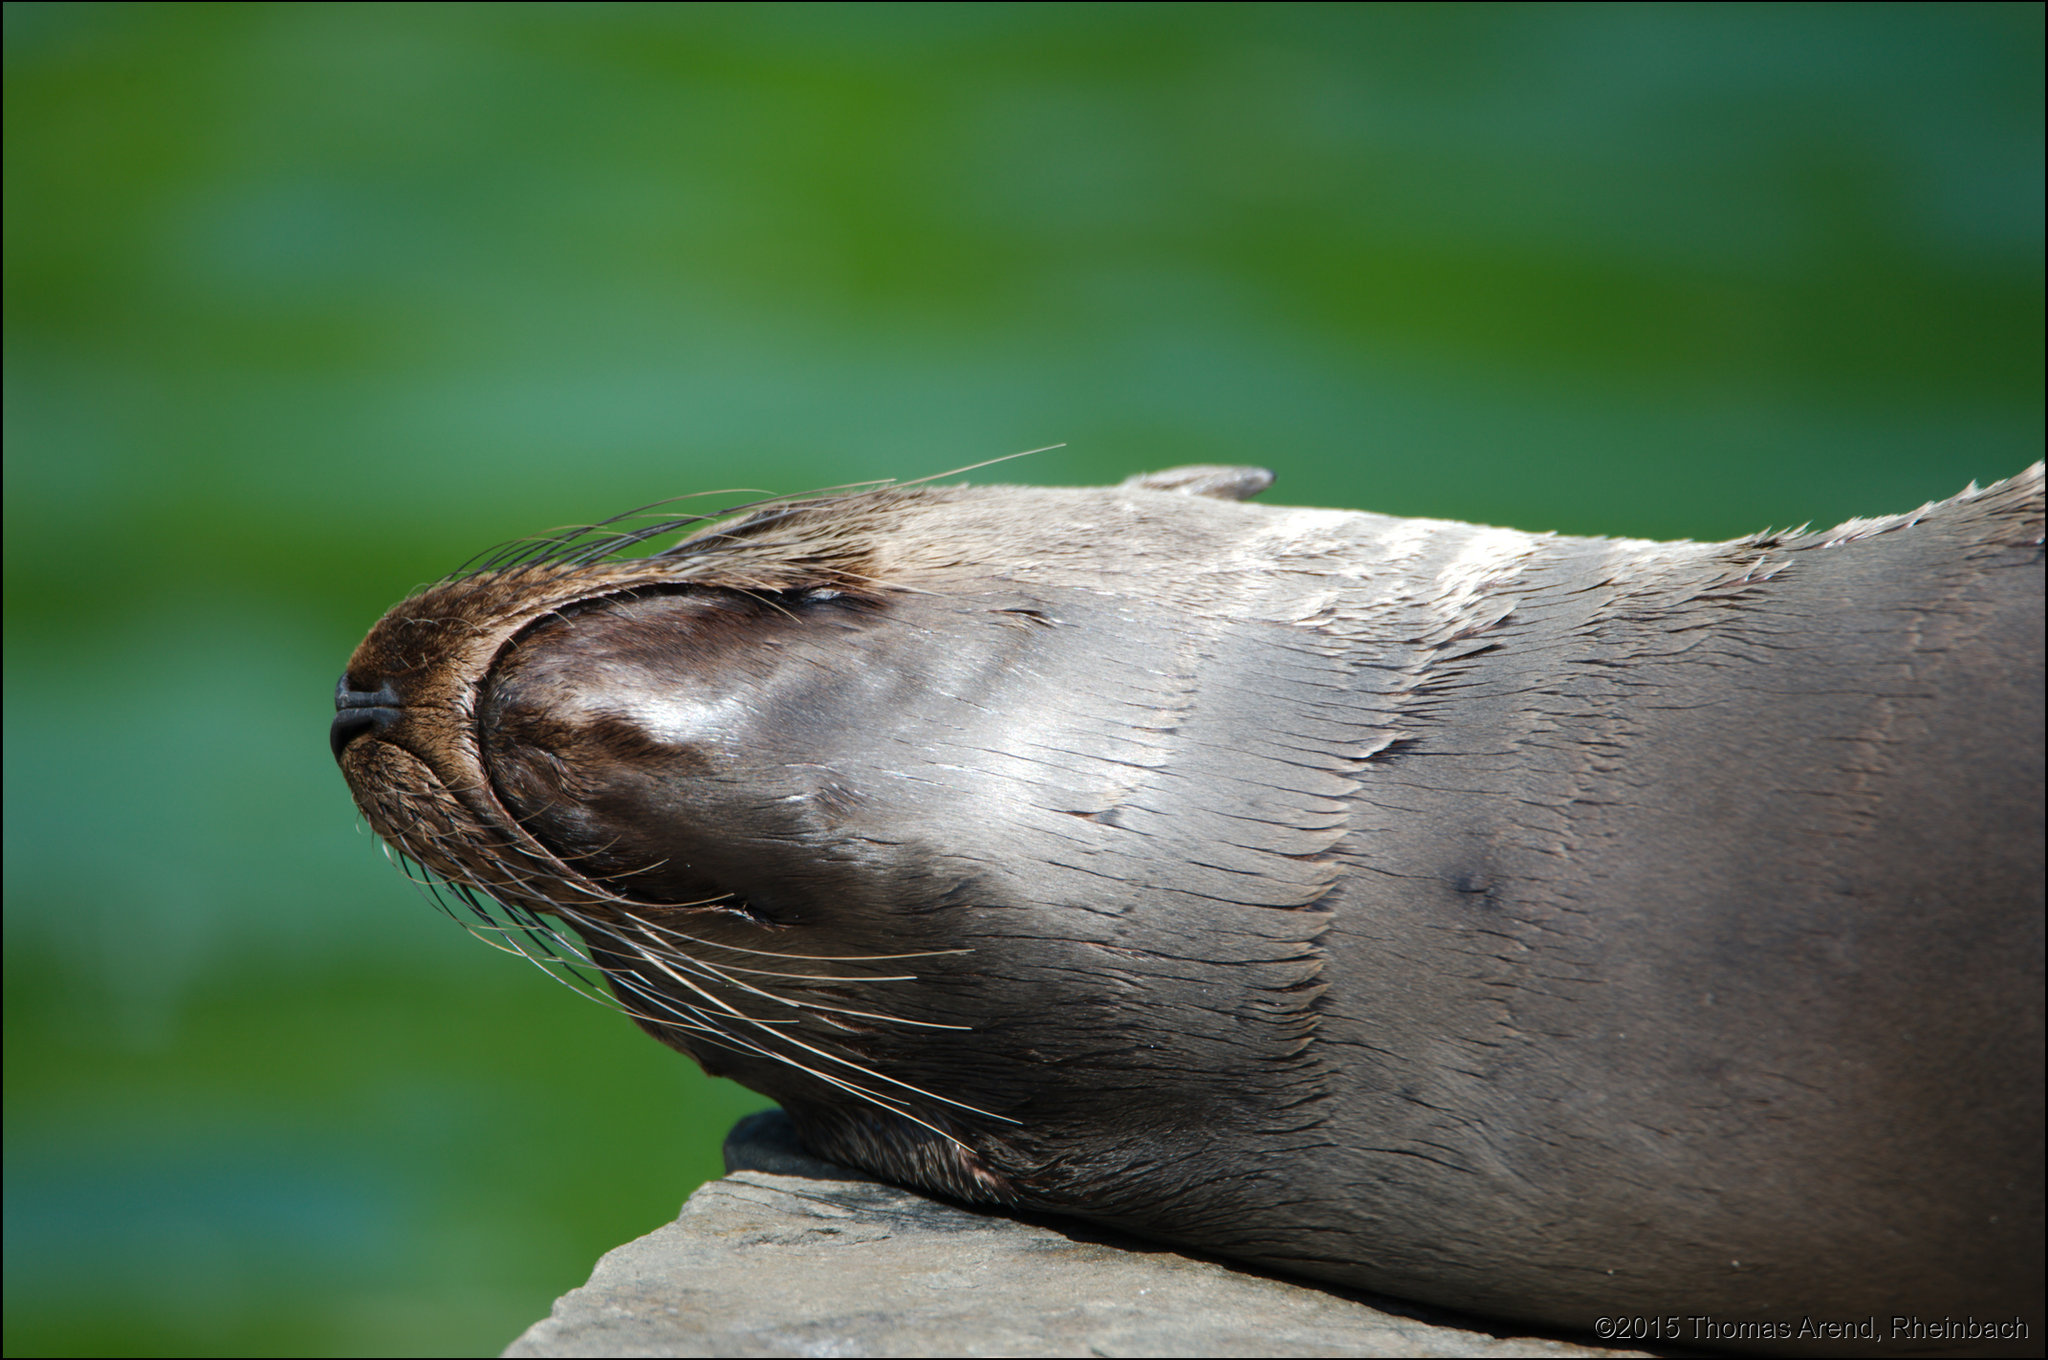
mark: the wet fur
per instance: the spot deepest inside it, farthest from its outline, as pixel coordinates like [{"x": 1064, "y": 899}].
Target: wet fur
[{"x": 1543, "y": 926}]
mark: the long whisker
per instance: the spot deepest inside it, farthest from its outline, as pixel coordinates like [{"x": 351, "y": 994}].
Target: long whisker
[
  {"x": 662, "y": 962},
  {"x": 520, "y": 930},
  {"x": 659, "y": 964}
]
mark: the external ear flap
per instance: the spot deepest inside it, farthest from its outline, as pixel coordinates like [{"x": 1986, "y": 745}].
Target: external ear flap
[{"x": 1214, "y": 480}]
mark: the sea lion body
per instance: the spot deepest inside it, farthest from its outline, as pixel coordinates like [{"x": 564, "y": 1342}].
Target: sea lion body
[{"x": 1565, "y": 929}]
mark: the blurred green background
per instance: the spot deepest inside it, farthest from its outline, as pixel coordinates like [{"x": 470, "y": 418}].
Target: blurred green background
[{"x": 305, "y": 304}]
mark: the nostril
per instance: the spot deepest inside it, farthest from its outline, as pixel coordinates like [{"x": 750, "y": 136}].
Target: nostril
[
  {"x": 358, "y": 711},
  {"x": 351, "y": 723}
]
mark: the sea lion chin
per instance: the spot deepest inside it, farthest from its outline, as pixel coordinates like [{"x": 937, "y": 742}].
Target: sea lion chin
[{"x": 1558, "y": 928}]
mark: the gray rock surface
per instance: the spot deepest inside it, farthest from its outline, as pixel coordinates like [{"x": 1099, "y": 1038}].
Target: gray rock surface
[{"x": 792, "y": 1256}]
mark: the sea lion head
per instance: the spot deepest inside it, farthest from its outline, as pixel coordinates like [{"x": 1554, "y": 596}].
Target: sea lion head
[{"x": 830, "y": 802}]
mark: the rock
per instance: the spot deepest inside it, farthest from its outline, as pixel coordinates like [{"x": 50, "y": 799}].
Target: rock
[{"x": 792, "y": 1256}]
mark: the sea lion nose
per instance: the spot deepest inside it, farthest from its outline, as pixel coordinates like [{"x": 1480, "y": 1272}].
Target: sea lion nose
[{"x": 357, "y": 711}]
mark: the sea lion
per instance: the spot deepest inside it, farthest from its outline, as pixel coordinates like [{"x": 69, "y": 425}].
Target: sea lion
[{"x": 1605, "y": 933}]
